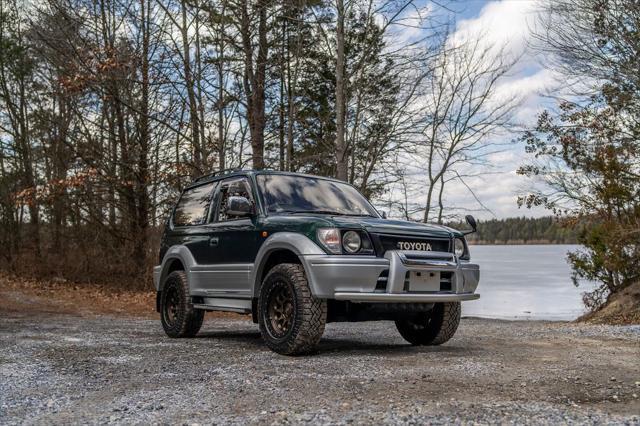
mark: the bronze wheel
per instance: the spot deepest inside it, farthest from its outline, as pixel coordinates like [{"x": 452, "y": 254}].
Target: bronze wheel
[
  {"x": 291, "y": 320},
  {"x": 280, "y": 307},
  {"x": 172, "y": 306},
  {"x": 178, "y": 317}
]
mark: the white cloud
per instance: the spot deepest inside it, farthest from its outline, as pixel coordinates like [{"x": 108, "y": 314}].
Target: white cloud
[
  {"x": 501, "y": 23},
  {"x": 507, "y": 27}
]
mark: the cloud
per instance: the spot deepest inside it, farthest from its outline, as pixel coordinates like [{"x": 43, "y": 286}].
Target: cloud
[
  {"x": 501, "y": 23},
  {"x": 531, "y": 91}
]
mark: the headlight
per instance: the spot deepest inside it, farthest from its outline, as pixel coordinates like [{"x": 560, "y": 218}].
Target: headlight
[
  {"x": 351, "y": 242},
  {"x": 458, "y": 247},
  {"x": 330, "y": 239}
]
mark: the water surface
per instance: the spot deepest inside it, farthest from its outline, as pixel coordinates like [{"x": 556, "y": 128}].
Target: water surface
[{"x": 526, "y": 282}]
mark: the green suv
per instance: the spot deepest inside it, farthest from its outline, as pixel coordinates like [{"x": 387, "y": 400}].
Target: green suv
[{"x": 298, "y": 251}]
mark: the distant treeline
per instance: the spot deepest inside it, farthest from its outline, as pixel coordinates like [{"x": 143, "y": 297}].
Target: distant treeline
[{"x": 521, "y": 230}]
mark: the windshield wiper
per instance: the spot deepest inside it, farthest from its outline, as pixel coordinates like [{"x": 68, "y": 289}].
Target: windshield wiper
[
  {"x": 330, "y": 212},
  {"x": 352, "y": 214}
]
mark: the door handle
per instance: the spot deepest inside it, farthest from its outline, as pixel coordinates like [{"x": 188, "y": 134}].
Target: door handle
[{"x": 213, "y": 241}]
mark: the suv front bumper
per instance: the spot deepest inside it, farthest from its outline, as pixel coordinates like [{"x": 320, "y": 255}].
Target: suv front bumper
[{"x": 362, "y": 278}]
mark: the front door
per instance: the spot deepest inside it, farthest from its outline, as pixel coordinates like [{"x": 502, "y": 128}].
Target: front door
[{"x": 233, "y": 243}]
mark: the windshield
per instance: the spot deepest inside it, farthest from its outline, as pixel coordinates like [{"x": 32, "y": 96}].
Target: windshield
[{"x": 298, "y": 194}]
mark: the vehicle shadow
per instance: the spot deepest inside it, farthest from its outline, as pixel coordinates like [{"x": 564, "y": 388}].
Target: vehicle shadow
[
  {"x": 334, "y": 347},
  {"x": 250, "y": 337},
  {"x": 345, "y": 346}
]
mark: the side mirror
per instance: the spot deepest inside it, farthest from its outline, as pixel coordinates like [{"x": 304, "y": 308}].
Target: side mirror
[
  {"x": 472, "y": 223},
  {"x": 239, "y": 206},
  {"x": 383, "y": 214}
]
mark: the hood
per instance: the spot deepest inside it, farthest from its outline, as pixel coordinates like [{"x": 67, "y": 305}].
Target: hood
[
  {"x": 370, "y": 224},
  {"x": 397, "y": 227}
]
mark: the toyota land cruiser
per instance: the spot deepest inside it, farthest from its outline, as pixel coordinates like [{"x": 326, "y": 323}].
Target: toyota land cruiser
[{"x": 297, "y": 251}]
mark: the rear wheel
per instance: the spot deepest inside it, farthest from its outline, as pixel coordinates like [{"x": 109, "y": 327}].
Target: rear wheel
[
  {"x": 291, "y": 320},
  {"x": 431, "y": 328},
  {"x": 179, "y": 318}
]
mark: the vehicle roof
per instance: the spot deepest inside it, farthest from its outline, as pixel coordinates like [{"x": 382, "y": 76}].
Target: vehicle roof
[{"x": 224, "y": 174}]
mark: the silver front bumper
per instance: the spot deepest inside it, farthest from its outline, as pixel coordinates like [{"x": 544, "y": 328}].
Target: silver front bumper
[
  {"x": 355, "y": 278},
  {"x": 406, "y": 297}
]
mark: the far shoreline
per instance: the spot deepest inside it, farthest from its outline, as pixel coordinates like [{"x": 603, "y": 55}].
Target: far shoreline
[{"x": 520, "y": 243}]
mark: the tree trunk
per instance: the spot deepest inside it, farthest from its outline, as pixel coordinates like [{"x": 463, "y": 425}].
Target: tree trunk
[
  {"x": 193, "y": 106},
  {"x": 254, "y": 79},
  {"x": 427, "y": 208},
  {"x": 199, "y": 95},
  {"x": 281, "y": 124},
  {"x": 221, "y": 102},
  {"x": 27, "y": 164},
  {"x": 142, "y": 216},
  {"x": 440, "y": 205},
  {"x": 341, "y": 146}
]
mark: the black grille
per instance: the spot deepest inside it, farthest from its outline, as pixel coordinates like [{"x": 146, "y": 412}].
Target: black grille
[{"x": 391, "y": 242}]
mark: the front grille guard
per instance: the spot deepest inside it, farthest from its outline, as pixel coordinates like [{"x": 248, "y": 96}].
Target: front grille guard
[
  {"x": 429, "y": 260},
  {"x": 400, "y": 262}
]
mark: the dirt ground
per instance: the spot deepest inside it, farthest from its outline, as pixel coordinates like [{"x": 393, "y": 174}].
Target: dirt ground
[{"x": 82, "y": 356}]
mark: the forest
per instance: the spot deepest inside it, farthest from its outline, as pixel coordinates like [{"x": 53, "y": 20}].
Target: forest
[
  {"x": 521, "y": 230},
  {"x": 108, "y": 108}
]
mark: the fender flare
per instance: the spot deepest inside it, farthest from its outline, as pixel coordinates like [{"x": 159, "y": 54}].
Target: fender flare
[
  {"x": 177, "y": 252},
  {"x": 299, "y": 244}
]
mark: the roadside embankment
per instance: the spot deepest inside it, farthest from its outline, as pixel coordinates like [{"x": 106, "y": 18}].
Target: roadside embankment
[{"x": 621, "y": 308}]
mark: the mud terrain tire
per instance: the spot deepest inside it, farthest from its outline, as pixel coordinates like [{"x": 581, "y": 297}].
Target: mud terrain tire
[
  {"x": 179, "y": 318},
  {"x": 291, "y": 320},
  {"x": 431, "y": 328}
]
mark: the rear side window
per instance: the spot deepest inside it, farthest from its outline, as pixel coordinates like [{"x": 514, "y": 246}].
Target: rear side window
[{"x": 193, "y": 207}]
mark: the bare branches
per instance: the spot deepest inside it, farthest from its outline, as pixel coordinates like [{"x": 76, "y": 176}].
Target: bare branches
[{"x": 460, "y": 110}]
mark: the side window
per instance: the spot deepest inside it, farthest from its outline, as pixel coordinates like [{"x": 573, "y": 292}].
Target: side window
[
  {"x": 193, "y": 207},
  {"x": 235, "y": 187}
]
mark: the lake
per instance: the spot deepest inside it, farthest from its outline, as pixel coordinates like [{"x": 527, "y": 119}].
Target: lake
[{"x": 526, "y": 282}]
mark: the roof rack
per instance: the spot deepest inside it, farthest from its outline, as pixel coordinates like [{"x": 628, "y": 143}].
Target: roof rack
[{"x": 216, "y": 173}]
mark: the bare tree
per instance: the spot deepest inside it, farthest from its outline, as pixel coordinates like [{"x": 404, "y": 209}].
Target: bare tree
[
  {"x": 341, "y": 146},
  {"x": 459, "y": 112}
]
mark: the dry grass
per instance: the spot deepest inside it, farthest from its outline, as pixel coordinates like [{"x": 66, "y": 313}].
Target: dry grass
[
  {"x": 19, "y": 294},
  {"x": 58, "y": 295}
]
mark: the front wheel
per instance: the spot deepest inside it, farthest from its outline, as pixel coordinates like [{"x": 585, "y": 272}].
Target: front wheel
[
  {"x": 431, "y": 328},
  {"x": 291, "y": 320},
  {"x": 179, "y": 318}
]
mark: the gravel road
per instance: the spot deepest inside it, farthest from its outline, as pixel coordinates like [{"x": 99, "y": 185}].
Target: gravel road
[{"x": 61, "y": 368}]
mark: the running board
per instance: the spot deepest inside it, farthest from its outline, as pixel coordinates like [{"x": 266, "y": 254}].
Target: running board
[{"x": 242, "y": 306}]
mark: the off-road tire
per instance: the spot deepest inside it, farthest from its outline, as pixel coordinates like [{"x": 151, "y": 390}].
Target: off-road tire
[
  {"x": 431, "y": 328},
  {"x": 309, "y": 315},
  {"x": 186, "y": 321}
]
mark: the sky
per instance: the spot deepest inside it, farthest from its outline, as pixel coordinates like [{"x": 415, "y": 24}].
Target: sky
[{"x": 509, "y": 23}]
